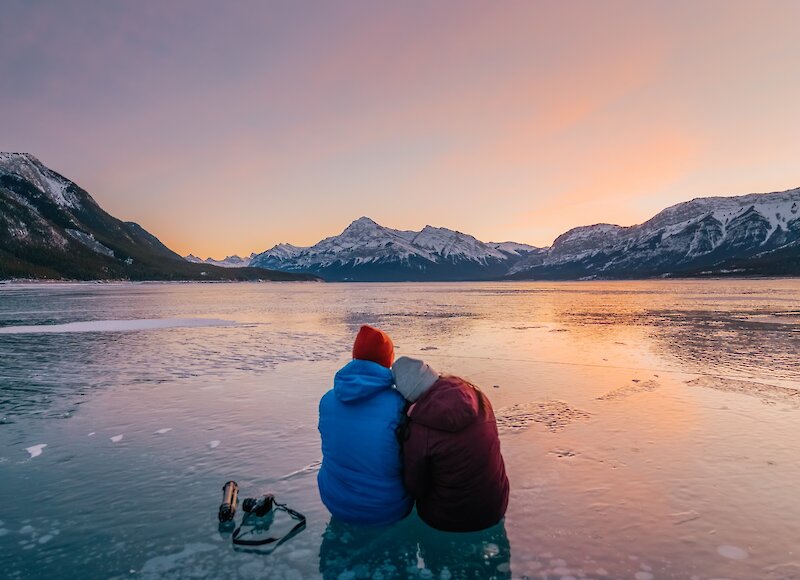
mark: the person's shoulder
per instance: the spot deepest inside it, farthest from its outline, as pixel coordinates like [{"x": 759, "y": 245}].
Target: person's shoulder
[{"x": 327, "y": 398}]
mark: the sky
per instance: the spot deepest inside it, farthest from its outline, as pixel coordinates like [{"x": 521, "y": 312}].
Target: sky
[{"x": 227, "y": 127}]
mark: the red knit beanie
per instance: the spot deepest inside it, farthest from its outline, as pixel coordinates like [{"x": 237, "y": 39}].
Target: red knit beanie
[{"x": 375, "y": 345}]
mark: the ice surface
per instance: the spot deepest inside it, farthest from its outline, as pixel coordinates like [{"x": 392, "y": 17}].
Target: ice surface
[
  {"x": 117, "y": 325},
  {"x": 584, "y": 472},
  {"x": 36, "y": 450}
]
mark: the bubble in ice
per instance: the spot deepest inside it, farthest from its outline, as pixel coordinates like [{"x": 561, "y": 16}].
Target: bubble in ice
[
  {"x": 36, "y": 450},
  {"x": 26, "y": 530},
  {"x": 732, "y": 552},
  {"x": 162, "y": 431},
  {"x": 46, "y": 538},
  {"x": 214, "y": 443},
  {"x": 91, "y": 434},
  {"x": 117, "y": 438}
]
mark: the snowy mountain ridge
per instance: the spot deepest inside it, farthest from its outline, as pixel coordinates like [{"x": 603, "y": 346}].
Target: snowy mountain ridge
[
  {"x": 52, "y": 228},
  {"x": 366, "y": 249},
  {"x": 227, "y": 262},
  {"x": 705, "y": 232}
]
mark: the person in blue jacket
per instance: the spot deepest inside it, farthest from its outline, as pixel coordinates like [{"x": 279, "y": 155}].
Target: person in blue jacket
[{"x": 361, "y": 478}]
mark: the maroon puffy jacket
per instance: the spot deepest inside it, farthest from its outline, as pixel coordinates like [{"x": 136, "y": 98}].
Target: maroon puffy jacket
[{"x": 453, "y": 465}]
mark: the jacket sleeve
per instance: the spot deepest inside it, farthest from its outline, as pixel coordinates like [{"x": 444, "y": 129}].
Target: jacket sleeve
[{"x": 416, "y": 474}]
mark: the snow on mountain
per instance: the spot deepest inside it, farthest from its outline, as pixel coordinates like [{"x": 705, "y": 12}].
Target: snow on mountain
[
  {"x": 455, "y": 245},
  {"x": 702, "y": 233},
  {"x": 372, "y": 251},
  {"x": 28, "y": 168},
  {"x": 513, "y": 247},
  {"x": 227, "y": 262}
]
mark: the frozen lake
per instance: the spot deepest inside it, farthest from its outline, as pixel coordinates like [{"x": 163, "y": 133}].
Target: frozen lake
[{"x": 650, "y": 429}]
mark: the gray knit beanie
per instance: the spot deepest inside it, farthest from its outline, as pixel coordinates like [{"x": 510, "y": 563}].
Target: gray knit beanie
[{"x": 413, "y": 377}]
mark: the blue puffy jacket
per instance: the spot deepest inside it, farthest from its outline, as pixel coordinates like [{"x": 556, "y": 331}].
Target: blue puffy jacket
[{"x": 361, "y": 478}]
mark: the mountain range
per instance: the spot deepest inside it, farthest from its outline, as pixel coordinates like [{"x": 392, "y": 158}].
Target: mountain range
[
  {"x": 756, "y": 234},
  {"x": 51, "y": 228},
  {"x": 367, "y": 251}
]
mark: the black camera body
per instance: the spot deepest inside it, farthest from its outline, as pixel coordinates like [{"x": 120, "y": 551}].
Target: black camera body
[{"x": 259, "y": 506}]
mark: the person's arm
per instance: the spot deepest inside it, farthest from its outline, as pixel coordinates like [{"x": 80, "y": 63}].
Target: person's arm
[{"x": 416, "y": 474}]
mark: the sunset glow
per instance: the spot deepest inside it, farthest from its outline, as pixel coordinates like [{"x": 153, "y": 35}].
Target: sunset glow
[{"x": 228, "y": 128}]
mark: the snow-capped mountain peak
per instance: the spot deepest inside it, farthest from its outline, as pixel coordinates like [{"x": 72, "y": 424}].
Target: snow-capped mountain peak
[
  {"x": 367, "y": 246},
  {"x": 227, "y": 262}
]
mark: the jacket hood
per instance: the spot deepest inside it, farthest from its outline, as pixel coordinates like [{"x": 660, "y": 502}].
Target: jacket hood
[
  {"x": 361, "y": 379},
  {"x": 450, "y": 404}
]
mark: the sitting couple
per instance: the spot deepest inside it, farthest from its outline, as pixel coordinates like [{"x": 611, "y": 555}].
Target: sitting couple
[{"x": 379, "y": 455}]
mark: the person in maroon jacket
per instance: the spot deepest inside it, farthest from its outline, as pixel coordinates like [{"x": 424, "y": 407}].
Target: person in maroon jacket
[{"x": 451, "y": 453}]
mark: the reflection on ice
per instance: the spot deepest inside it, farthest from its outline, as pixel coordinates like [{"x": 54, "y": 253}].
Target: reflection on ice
[{"x": 412, "y": 549}]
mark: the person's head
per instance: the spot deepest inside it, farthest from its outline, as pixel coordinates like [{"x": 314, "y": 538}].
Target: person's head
[
  {"x": 373, "y": 345},
  {"x": 413, "y": 377}
]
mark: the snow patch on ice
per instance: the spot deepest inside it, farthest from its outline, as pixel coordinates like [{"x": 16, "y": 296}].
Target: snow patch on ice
[
  {"x": 117, "y": 325},
  {"x": 162, "y": 431},
  {"x": 733, "y": 552},
  {"x": 36, "y": 450},
  {"x": 628, "y": 390},
  {"x": 766, "y": 392},
  {"x": 555, "y": 415},
  {"x": 117, "y": 438},
  {"x": 214, "y": 444}
]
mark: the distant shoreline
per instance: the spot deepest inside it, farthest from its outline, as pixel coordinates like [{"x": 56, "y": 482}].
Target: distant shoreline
[{"x": 45, "y": 282}]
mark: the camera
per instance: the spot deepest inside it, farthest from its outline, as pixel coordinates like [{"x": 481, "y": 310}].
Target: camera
[{"x": 259, "y": 506}]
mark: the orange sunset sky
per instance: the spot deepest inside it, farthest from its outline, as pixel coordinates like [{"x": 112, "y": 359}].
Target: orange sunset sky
[{"x": 226, "y": 127}]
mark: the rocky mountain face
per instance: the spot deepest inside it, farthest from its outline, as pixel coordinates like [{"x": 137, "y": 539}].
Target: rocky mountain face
[
  {"x": 51, "y": 228},
  {"x": 744, "y": 235},
  {"x": 367, "y": 251}
]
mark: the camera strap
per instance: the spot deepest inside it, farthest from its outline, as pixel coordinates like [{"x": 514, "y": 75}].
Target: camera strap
[{"x": 295, "y": 515}]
